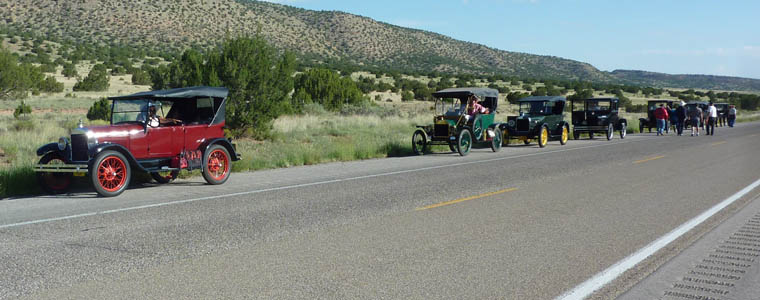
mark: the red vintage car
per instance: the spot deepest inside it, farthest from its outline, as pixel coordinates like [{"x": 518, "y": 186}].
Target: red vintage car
[{"x": 159, "y": 132}]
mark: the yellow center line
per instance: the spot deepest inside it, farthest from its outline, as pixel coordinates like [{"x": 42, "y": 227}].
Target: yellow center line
[
  {"x": 718, "y": 143},
  {"x": 648, "y": 159},
  {"x": 465, "y": 199}
]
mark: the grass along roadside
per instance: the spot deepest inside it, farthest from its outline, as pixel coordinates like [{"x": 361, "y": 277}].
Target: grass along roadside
[{"x": 315, "y": 137}]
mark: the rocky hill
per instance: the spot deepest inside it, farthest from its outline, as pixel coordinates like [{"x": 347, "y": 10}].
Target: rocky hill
[{"x": 314, "y": 35}]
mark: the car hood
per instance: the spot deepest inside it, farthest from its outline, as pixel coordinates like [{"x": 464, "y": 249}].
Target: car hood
[
  {"x": 533, "y": 118},
  {"x": 102, "y": 133}
]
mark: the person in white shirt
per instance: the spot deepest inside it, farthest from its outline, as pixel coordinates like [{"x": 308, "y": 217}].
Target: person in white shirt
[{"x": 712, "y": 115}]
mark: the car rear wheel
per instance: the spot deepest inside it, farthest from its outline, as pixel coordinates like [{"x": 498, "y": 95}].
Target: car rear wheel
[
  {"x": 543, "y": 136},
  {"x": 165, "y": 176},
  {"x": 565, "y": 135},
  {"x": 453, "y": 147},
  {"x": 623, "y": 130},
  {"x": 464, "y": 142},
  {"x": 419, "y": 142},
  {"x": 590, "y": 135},
  {"x": 610, "y": 131},
  {"x": 496, "y": 141},
  {"x": 110, "y": 173},
  {"x": 53, "y": 182},
  {"x": 576, "y": 135},
  {"x": 216, "y": 165},
  {"x": 527, "y": 141}
]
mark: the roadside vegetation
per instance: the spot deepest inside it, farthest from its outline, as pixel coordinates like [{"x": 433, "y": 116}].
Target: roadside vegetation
[{"x": 280, "y": 112}]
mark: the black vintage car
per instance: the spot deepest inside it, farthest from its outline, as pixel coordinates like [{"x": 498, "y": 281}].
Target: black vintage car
[
  {"x": 722, "y": 114},
  {"x": 692, "y": 105},
  {"x": 650, "y": 122},
  {"x": 540, "y": 118},
  {"x": 597, "y": 115}
]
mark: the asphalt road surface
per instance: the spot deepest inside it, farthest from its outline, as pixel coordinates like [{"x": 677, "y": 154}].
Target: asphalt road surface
[{"x": 524, "y": 223}]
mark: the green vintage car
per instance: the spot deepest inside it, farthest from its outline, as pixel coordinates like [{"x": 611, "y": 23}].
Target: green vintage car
[
  {"x": 453, "y": 126},
  {"x": 540, "y": 118}
]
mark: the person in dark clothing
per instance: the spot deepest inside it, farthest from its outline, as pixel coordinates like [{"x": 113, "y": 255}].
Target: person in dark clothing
[
  {"x": 680, "y": 118},
  {"x": 672, "y": 121}
]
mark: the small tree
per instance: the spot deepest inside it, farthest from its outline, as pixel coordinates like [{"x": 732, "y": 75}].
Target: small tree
[
  {"x": 50, "y": 85},
  {"x": 407, "y": 96},
  {"x": 96, "y": 80},
  {"x": 100, "y": 110},
  {"x": 22, "y": 109},
  {"x": 140, "y": 77},
  {"x": 69, "y": 70}
]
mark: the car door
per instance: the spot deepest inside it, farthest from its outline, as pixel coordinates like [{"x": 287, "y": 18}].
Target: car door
[{"x": 164, "y": 141}]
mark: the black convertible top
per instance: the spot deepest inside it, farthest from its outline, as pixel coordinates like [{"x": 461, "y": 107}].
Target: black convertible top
[
  {"x": 179, "y": 93},
  {"x": 466, "y": 92},
  {"x": 543, "y": 98}
]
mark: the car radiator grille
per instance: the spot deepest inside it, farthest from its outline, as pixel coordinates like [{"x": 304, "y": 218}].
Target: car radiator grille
[
  {"x": 523, "y": 125},
  {"x": 79, "y": 147},
  {"x": 441, "y": 130}
]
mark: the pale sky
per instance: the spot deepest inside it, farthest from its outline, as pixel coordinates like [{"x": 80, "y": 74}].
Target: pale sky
[{"x": 675, "y": 37}]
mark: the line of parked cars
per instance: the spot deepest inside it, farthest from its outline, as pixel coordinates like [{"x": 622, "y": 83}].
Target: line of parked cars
[
  {"x": 540, "y": 119},
  {"x": 163, "y": 132}
]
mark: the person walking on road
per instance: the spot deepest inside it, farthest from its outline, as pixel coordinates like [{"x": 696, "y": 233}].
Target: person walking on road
[
  {"x": 661, "y": 114},
  {"x": 731, "y": 115},
  {"x": 673, "y": 118},
  {"x": 695, "y": 116},
  {"x": 680, "y": 117},
  {"x": 712, "y": 117}
]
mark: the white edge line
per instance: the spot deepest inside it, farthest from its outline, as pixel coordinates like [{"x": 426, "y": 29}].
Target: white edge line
[
  {"x": 588, "y": 287},
  {"x": 305, "y": 185}
]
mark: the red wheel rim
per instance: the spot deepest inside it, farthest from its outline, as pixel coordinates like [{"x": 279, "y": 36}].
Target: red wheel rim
[
  {"x": 112, "y": 173},
  {"x": 218, "y": 164},
  {"x": 57, "y": 181}
]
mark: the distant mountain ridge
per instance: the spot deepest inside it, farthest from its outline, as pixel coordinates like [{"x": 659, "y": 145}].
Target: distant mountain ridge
[
  {"x": 313, "y": 35},
  {"x": 710, "y": 82}
]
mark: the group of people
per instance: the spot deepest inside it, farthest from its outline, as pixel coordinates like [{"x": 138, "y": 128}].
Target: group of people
[{"x": 695, "y": 117}]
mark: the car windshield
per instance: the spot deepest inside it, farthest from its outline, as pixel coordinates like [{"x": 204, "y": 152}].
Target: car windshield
[
  {"x": 655, "y": 105},
  {"x": 598, "y": 105},
  {"x": 126, "y": 111},
  {"x": 449, "y": 107},
  {"x": 536, "y": 107}
]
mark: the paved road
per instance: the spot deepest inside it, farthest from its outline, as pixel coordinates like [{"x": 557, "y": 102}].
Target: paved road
[{"x": 524, "y": 223}]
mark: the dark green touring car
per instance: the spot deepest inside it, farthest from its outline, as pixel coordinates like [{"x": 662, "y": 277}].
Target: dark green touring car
[{"x": 540, "y": 118}]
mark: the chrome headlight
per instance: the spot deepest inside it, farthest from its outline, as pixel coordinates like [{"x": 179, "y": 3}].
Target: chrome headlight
[
  {"x": 63, "y": 142},
  {"x": 511, "y": 123}
]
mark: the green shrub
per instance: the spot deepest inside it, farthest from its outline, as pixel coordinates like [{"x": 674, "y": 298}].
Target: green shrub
[
  {"x": 140, "y": 77},
  {"x": 97, "y": 80},
  {"x": 22, "y": 109},
  {"x": 327, "y": 88},
  {"x": 50, "y": 85},
  {"x": 407, "y": 96},
  {"x": 69, "y": 70},
  {"x": 100, "y": 110}
]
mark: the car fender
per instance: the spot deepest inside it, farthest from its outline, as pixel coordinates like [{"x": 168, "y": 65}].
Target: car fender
[
  {"x": 52, "y": 147},
  {"x": 225, "y": 143},
  {"x": 94, "y": 150},
  {"x": 619, "y": 125},
  {"x": 558, "y": 130},
  {"x": 643, "y": 120}
]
